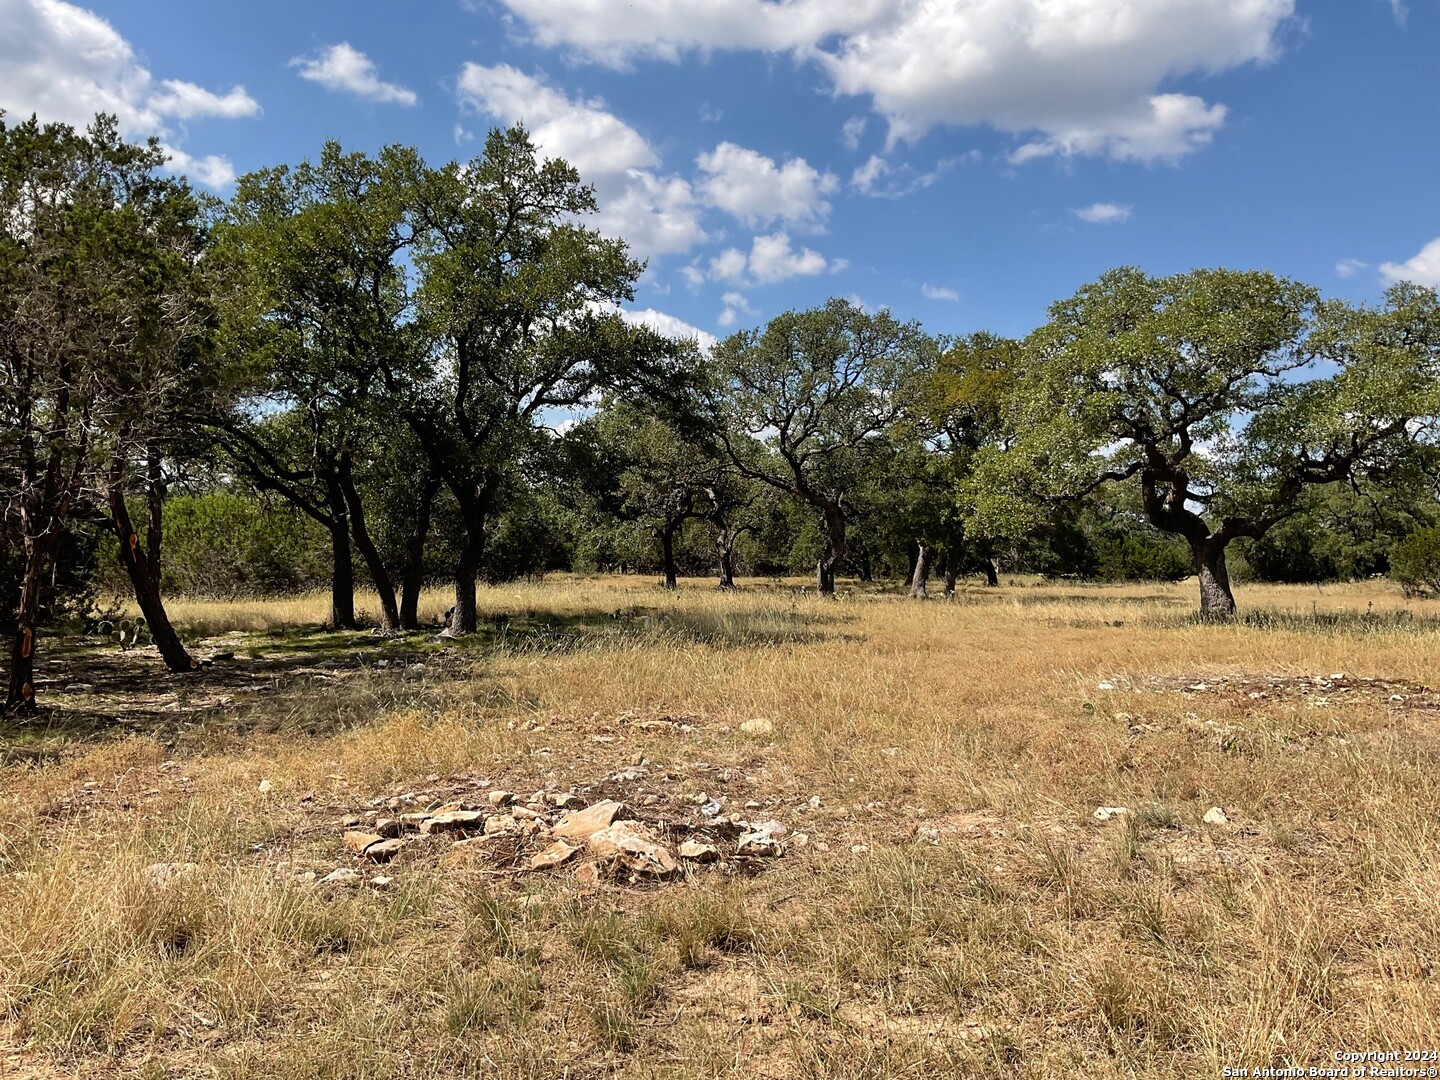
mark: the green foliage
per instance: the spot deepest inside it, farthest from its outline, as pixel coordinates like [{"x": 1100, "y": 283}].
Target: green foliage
[{"x": 1415, "y": 562}]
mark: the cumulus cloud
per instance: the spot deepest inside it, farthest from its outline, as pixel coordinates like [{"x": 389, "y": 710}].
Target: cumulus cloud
[
  {"x": 753, "y": 189},
  {"x": 852, "y": 131},
  {"x": 670, "y": 325},
  {"x": 1103, "y": 213},
  {"x": 735, "y": 306},
  {"x": 65, "y": 63},
  {"x": 657, "y": 214},
  {"x": 1067, "y": 76},
  {"x": 1422, "y": 268},
  {"x": 346, "y": 69},
  {"x": 939, "y": 292},
  {"x": 771, "y": 258},
  {"x": 1349, "y": 267}
]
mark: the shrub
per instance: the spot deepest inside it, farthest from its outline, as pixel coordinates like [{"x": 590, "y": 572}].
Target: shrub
[{"x": 1415, "y": 562}]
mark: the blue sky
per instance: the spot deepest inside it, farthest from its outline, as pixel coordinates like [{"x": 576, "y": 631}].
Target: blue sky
[{"x": 963, "y": 162}]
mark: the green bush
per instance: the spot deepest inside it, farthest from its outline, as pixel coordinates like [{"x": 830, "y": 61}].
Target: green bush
[{"x": 1415, "y": 562}]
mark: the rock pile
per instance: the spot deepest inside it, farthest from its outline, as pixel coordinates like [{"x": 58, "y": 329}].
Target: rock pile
[{"x": 605, "y": 840}]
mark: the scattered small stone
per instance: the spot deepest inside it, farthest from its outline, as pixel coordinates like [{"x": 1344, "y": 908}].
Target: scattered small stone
[
  {"x": 800, "y": 839},
  {"x": 501, "y": 823},
  {"x": 382, "y": 882},
  {"x": 1108, "y": 813},
  {"x": 390, "y": 828},
  {"x": 557, "y": 853},
  {"x": 524, "y": 813},
  {"x": 501, "y": 798},
  {"x": 698, "y": 851},
  {"x": 566, "y": 800},
  {"x": 758, "y": 726},
  {"x": 343, "y": 876},
  {"x": 631, "y": 774},
  {"x": 927, "y": 834},
  {"x": 305, "y": 877},
  {"x": 356, "y": 841},
  {"x": 1105, "y": 686},
  {"x": 454, "y": 821},
  {"x": 815, "y": 803},
  {"x": 587, "y": 875},
  {"x": 650, "y": 800},
  {"x": 350, "y": 821},
  {"x": 579, "y": 824},
  {"x": 859, "y": 849},
  {"x": 752, "y": 805},
  {"x": 266, "y": 787},
  {"x": 1215, "y": 816}
]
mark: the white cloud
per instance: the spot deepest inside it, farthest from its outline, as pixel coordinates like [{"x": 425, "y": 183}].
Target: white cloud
[
  {"x": 853, "y": 131},
  {"x": 186, "y": 100},
  {"x": 1103, "y": 213},
  {"x": 877, "y": 177},
  {"x": 735, "y": 306},
  {"x": 656, "y": 214},
  {"x": 771, "y": 258},
  {"x": 1069, "y": 76},
  {"x": 752, "y": 188},
  {"x": 1400, "y": 10},
  {"x": 346, "y": 69},
  {"x": 212, "y": 170},
  {"x": 1423, "y": 268},
  {"x": 64, "y": 63},
  {"x": 939, "y": 292},
  {"x": 669, "y": 325},
  {"x": 1349, "y": 267}
]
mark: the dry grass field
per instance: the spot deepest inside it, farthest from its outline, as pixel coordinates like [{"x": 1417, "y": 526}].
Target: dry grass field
[{"x": 946, "y": 903}]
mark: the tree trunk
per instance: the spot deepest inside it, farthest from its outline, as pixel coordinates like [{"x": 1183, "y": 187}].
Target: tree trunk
[
  {"x": 1216, "y": 599},
  {"x": 726, "y": 545},
  {"x": 834, "y": 549},
  {"x": 412, "y": 578},
  {"x": 379, "y": 576},
  {"x": 992, "y": 571},
  {"x": 667, "y": 556},
  {"x": 143, "y": 565},
  {"x": 21, "y": 694},
  {"x": 342, "y": 576},
  {"x": 920, "y": 577}
]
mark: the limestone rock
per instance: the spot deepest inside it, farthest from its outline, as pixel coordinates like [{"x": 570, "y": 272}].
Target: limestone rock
[
  {"x": 384, "y": 850},
  {"x": 389, "y": 828},
  {"x": 454, "y": 821},
  {"x": 342, "y": 876},
  {"x": 1110, "y": 813},
  {"x": 579, "y": 824},
  {"x": 557, "y": 853},
  {"x": 266, "y": 787},
  {"x": 699, "y": 851},
  {"x": 162, "y": 875},
  {"x": 357, "y": 841},
  {"x": 624, "y": 843},
  {"x": 1215, "y": 816},
  {"x": 758, "y": 726},
  {"x": 501, "y": 798}
]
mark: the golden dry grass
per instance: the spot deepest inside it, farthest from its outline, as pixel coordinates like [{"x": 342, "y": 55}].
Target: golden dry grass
[{"x": 955, "y": 912}]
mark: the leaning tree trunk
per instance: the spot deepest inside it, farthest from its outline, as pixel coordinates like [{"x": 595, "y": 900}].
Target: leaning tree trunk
[
  {"x": 142, "y": 565},
  {"x": 379, "y": 575},
  {"x": 412, "y": 577},
  {"x": 1216, "y": 599},
  {"x": 667, "y": 557},
  {"x": 834, "y": 549},
  {"x": 20, "y": 696},
  {"x": 920, "y": 577}
]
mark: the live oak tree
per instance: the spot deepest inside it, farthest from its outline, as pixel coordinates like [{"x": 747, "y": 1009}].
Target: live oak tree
[
  {"x": 96, "y": 253},
  {"x": 1223, "y": 395},
  {"x": 801, "y": 404},
  {"x": 319, "y": 305},
  {"x": 519, "y": 301}
]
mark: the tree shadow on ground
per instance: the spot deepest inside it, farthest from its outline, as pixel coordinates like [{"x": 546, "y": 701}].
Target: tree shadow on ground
[{"x": 318, "y": 680}]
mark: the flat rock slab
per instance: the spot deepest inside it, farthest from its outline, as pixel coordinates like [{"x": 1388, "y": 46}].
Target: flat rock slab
[{"x": 580, "y": 824}]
